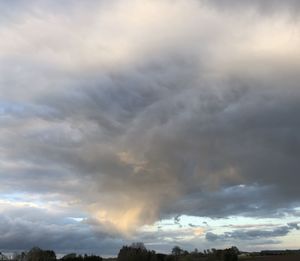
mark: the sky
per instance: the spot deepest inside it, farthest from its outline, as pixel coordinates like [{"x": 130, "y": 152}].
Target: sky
[{"x": 156, "y": 121}]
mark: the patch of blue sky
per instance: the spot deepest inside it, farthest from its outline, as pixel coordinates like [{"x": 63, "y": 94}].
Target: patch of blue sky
[
  {"x": 13, "y": 197},
  {"x": 25, "y": 199},
  {"x": 222, "y": 225},
  {"x": 17, "y": 109},
  {"x": 76, "y": 220},
  {"x": 7, "y": 107}
]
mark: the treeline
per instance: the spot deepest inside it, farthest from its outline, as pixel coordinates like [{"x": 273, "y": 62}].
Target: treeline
[
  {"x": 136, "y": 252},
  {"x": 85, "y": 257},
  {"x": 140, "y": 253},
  {"x": 37, "y": 254}
]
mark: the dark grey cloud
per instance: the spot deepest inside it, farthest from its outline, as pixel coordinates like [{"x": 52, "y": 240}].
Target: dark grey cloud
[
  {"x": 52, "y": 230},
  {"x": 294, "y": 225}
]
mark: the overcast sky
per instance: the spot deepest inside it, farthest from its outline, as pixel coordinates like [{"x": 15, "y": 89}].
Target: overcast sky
[{"x": 166, "y": 122}]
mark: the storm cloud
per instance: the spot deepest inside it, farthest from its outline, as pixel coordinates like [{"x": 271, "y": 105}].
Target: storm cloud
[{"x": 135, "y": 111}]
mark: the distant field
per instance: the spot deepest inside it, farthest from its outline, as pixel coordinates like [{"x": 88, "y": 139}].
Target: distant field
[
  {"x": 273, "y": 258},
  {"x": 259, "y": 258}
]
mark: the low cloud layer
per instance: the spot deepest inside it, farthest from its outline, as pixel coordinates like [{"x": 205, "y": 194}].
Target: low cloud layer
[
  {"x": 135, "y": 111},
  {"x": 253, "y": 234}
]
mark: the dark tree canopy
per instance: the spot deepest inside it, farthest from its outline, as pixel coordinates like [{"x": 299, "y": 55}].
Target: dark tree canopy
[
  {"x": 136, "y": 252},
  {"x": 37, "y": 254}
]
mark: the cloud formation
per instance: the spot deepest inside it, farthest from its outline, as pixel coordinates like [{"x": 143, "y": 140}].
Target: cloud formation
[
  {"x": 253, "y": 234},
  {"x": 134, "y": 111},
  {"x": 266, "y": 7}
]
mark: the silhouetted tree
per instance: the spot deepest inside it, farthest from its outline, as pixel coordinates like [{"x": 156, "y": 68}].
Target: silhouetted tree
[
  {"x": 138, "y": 245},
  {"x": 136, "y": 252},
  {"x": 37, "y": 254},
  {"x": 176, "y": 252},
  {"x": 230, "y": 255},
  {"x": 85, "y": 257}
]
